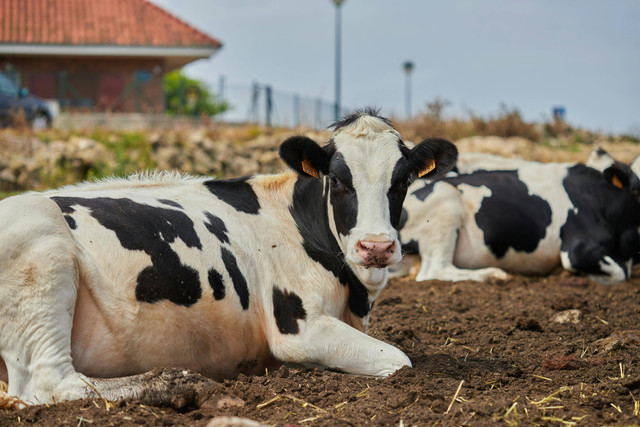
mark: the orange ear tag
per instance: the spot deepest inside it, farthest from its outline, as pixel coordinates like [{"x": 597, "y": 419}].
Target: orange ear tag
[
  {"x": 308, "y": 169},
  {"x": 616, "y": 181},
  {"x": 431, "y": 165}
]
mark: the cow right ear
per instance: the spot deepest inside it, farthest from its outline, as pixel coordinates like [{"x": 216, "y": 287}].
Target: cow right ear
[
  {"x": 432, "y": 158},
  {"x": 305, "y": 156}
]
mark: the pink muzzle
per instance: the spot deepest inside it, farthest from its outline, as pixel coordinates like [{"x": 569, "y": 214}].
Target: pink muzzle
[{"x": 376, "y": 253}]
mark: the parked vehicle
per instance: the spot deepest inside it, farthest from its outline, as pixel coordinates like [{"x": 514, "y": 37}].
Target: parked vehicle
[{"x": 15, "y": 102}]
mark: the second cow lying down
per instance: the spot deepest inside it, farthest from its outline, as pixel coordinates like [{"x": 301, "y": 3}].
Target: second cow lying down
[
  {"x": 99, "y": 281},
  {"x": 530, "y": 220}
]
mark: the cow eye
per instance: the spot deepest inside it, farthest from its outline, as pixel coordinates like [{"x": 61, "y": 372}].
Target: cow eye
[
  {"x": 337, "y": 185},
  {"x": 401, "y": 185}
]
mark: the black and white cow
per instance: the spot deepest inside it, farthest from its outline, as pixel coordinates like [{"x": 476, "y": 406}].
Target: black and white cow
[
  {"x": 105, "y": 280},
  {"x": 531, "y": 220}
]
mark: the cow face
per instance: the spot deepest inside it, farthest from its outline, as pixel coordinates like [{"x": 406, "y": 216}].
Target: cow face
[{"x": 366, "y": 169}]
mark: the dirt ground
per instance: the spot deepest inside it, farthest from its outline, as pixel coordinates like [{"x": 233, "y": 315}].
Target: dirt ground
[{"x": 547, "y": 351}]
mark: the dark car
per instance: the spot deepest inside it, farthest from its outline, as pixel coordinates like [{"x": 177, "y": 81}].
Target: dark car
[{"x": 15, "y": 102}]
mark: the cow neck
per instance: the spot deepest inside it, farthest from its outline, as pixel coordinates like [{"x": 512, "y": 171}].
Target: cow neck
[{"x": 311, "y": 215}]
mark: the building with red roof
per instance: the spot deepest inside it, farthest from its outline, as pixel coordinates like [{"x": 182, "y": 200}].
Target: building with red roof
[{"x": 96, "y": 55}]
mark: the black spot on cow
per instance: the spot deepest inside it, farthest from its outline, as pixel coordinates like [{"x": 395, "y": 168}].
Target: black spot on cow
[
  {"x": 237, "y": 193},
  {"x": 70, "y": 221},
  {"x": 398, "y": 191},
  {"x": 149, "y": 229},
  {"x": 67, "y": 210},
  {"x": 217, "y": 227},
  {"x": 309, "y": 211},
  {"x": 343, "y": 196},
  {"x": 604, "y": 222},
  {"x": 171, "y": 203},
  {"x": 404, "y": 217},
  {"x": 287, "y": 309},
  {"x": 423, "y": 192},
  {"x": 216, "y": 283},
  {"x": 411, "y": 247},
  {"x": 510, "y": 217},
  {"x": 239, "y": 282}
]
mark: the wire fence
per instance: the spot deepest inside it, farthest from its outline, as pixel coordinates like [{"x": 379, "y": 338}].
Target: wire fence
[{"x": 261, "y": 104}]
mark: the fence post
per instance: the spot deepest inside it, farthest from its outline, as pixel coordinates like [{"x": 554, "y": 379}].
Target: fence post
[
  {"x": 269, "y": 105},
  {"x": 318, "y": 113},
  {"x": 221, "y": 85},
  {"x": 296, "y": 110},
  {"x": 255, "y": 95}
]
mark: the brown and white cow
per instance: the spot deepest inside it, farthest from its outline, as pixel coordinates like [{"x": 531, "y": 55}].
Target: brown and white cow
[{"x": 106, "y": 280}]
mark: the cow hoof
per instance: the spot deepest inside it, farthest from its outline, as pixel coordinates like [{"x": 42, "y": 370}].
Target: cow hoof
[{"x": 497, "y": 274}]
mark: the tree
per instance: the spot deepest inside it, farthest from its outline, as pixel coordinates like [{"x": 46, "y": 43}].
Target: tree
[{"x": 191, "y": 97}]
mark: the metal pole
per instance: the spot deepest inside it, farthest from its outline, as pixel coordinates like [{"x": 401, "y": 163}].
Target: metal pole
[
  {"x": 318, "y": 114},
  {"x": 296, "y": 110},
  {"x": 221, "y": 85},
  {"x": 408, "y": 96},
  {"x": 269, "y": 105},
  {"x": 408, "y": 68},
  {"x": 338, "y": 57}
]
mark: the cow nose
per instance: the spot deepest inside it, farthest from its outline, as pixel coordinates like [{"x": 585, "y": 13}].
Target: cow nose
[{"x": 376, "y": 253}]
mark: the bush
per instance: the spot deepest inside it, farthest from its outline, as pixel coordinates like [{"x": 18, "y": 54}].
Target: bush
[{"x": 190, "y": 97}]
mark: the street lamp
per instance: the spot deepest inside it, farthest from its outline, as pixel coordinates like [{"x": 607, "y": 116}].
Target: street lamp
[
  {"x": 338, "y": 3},
  {"x": 408, "y": 68}
]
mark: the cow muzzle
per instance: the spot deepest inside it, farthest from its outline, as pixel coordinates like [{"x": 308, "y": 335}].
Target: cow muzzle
[{"x": 377, "y": 253}]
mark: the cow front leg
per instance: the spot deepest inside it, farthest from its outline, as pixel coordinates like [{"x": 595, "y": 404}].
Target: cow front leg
[
  {"x": 329, "y": 342},
  {"x": 435, "y": 226}
]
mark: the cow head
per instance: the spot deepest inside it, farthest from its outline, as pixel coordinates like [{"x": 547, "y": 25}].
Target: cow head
[
  {"x": 617, "y": 173},
  {"x": 366, "y": 168}
]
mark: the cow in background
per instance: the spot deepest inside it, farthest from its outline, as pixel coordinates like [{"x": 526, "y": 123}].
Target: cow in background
[{"x": 531, "y": 219}]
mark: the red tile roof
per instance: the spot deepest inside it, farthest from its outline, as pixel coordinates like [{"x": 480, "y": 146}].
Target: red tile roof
[{"x": 96, "y": 22}]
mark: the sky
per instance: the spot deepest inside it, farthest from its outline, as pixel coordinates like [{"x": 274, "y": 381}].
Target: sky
[{"x": 531, "y": 55}]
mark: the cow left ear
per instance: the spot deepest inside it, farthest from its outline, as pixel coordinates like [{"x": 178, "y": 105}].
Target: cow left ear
[
  {"x": 432, "y": 158},
  {"x": 619, "y": 175},
  {"x": 305, "y": 156}
]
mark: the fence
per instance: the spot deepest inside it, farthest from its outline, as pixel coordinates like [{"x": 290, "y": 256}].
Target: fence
[{"x": 261, "y": 104}]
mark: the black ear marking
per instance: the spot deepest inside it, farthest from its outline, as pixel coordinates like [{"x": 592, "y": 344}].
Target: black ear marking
[
  {"x": 432, "y": 158},
  {"x": 304, "y": 156}
]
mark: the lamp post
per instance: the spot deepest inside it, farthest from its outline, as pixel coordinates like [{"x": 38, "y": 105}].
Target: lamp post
[
  {"x": 338, "y": 3},
  {"x": 408, "y": 68}
]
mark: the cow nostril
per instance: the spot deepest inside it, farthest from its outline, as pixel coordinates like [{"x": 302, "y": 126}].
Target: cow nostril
[
  {"x": 391, "y": 247},
  {"x": 366, "y": 245}
]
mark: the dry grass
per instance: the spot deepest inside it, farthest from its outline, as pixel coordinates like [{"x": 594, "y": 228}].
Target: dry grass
[
  {"x": 506, "y": 123},
  {"x": 7, "y": 401}
]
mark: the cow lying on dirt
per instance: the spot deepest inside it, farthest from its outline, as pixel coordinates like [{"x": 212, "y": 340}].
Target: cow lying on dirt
[
  {"x": 531, "y": 220},
  {"x": 100, "y": 281}
]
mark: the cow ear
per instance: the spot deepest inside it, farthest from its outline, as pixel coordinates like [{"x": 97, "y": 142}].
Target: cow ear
[
  {"x": 432, "y": 158},
  {"x": 618, "y": 175},
  {"x": 305, "y": 156}
]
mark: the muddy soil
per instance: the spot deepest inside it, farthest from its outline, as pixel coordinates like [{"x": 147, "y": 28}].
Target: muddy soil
[{"x": 548, "y": 351}]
